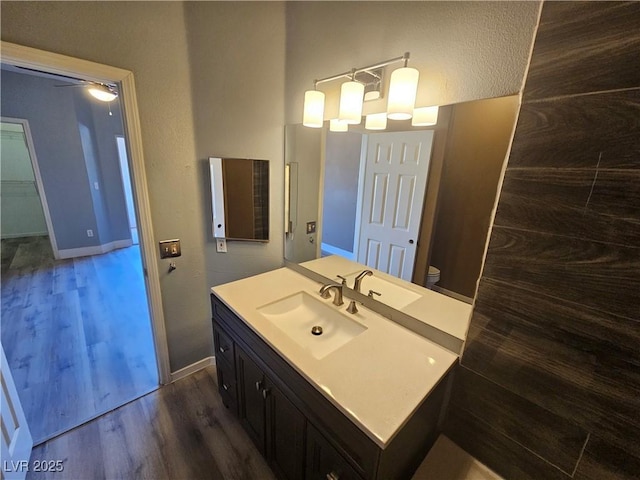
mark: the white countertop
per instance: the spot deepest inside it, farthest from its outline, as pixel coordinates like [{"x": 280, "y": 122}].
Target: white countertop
[
  {"x": 444, "y": 313},
  {"x": 377, "y": 379}
]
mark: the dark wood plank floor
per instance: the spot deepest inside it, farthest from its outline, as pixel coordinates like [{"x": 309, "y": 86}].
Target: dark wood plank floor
[
  {"x": 180, "y": 431},
  {"x": 76, "y": 333}
]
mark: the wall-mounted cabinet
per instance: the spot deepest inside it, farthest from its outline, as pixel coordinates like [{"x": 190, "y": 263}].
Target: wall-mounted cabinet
[{"x": 298, "y": 430}]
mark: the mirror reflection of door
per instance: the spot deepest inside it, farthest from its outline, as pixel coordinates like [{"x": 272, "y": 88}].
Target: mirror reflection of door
[
  {"x": 397, "y": 165},
  {"x": 373, "y": 197}
]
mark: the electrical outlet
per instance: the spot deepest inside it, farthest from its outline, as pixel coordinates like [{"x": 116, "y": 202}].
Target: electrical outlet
[
  {"x": 89, "y": 233},
  {"x": 170, "y": 248},
  {"x": 221, "y": 245}
]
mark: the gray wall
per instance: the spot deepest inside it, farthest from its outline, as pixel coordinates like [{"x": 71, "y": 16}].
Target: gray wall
[
  {"x": 52, "y": 120},
  {"x": 464, "y": 50},
  {"x": 304, "y": 147},
  {"x": 73, "y": 155},
  {"x": 229, "y": 59},
  {"x": 341, "y": 169}
]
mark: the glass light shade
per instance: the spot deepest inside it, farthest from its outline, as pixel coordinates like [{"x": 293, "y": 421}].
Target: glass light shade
[
  {"x": 351, "y": 98},
  {"x": 403, "y": 88},
  {"x": 102, "y": 93},
  {"x": 425, "y": 116},
  {"x": 376, "y": 121},
  {"x": 313, "y": 115},
  {"x": 336, "y": 125}
]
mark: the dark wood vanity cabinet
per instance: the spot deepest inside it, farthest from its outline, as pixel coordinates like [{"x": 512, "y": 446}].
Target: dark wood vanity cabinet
[
  {"x": 274, "y": 424},
  {"x": 299, "y": 431}
]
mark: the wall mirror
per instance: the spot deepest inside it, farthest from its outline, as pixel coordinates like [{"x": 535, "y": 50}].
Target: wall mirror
[
  {"x": 240, "y": 198},
  {"x": 330, "y": 192}
]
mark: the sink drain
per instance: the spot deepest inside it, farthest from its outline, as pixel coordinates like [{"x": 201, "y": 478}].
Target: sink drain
[{"x": 316, "y": 330}]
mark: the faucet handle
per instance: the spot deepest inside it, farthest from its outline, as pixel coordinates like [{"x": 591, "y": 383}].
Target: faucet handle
[
  {"x": 372, "y": 293},
  {"x": 344, "y": 280}
]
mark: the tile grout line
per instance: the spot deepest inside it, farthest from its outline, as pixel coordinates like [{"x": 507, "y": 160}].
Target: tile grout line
[
  {"x": 581, "y": 94},
  {"x": 584, "y": 447},
  {"x": 516, "y": 442}
]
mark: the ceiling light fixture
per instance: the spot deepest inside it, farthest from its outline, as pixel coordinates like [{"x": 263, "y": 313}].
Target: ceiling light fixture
[
  {"x": 365, "y": 84},
  {"x": 102, "y": 92}
]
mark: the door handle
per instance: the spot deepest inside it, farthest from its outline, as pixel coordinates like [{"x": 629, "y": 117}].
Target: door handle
[
  {"x": 265, "y": 393},
  {"x": 258, "y": 385},
  {"x": 411, "y": 241}
]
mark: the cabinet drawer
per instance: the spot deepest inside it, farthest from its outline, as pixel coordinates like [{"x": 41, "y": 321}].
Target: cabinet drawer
[
  {"x": 324, "y": 462},
  {"x": 224, "y": 345},
  {"x": 227, "y": 385}
]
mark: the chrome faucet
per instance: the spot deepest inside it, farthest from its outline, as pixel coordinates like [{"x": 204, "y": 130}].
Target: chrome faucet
[
  {"x": 325, "y": 292},
  {"x": 358, "y": 280}
]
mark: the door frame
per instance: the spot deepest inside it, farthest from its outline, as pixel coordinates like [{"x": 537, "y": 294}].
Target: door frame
[
  {"x": 74, "y": 67},
  {"x": 38, "y": 178}
]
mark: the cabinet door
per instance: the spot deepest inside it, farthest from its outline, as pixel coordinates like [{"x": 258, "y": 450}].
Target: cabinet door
[
  {"x": 285, "y": 435},
  {"x": 251, "y": 408},
  {"x": 324, "y": 462}
]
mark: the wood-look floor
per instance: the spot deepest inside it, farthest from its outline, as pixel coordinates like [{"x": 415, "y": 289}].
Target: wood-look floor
[
  {"x": 183, "y": 431},
  {"x": 76, "y": 333},
  {"x": 180, "y": 431}
]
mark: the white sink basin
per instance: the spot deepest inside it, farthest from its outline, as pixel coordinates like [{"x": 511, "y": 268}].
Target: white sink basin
[
  {"x": 297, "y": 314},
  {"x": 393, "y": 295}
]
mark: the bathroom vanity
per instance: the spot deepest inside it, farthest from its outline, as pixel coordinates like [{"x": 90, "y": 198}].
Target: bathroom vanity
[{"x": 363, "y": 400}]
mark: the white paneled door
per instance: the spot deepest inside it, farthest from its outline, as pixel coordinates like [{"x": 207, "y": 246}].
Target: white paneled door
[
  {"x": 16, "y": 437},
  {"x": 395, "y": 180}
]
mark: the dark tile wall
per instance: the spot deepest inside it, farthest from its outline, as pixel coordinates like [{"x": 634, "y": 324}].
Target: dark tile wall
[{"x": 549, "y": 382}]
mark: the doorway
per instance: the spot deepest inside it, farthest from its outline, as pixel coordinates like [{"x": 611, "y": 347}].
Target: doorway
[{"x": 72, "y": 285}]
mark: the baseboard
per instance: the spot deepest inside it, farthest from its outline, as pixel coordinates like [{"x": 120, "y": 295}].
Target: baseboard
[
  {"x": 20, "y": 235},
  {"x": 194, "y": 367},
  {"x": 325, "y": 247},
  {"x": 94, "y": 250},
  {"x": 451, "y": 294}
]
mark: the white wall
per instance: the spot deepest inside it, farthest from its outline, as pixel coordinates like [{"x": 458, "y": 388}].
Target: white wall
[{"x": 464, "y": 50}]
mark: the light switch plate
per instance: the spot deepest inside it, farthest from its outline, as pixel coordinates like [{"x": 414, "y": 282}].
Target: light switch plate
[
  {"x": 170, "y": 248},
  {"x": 311, "y": 227}
]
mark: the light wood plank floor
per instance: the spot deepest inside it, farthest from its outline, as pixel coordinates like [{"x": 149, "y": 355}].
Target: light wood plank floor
[
  {"x": 180, "y": 431},
  {"x": 76, "y": 333}
]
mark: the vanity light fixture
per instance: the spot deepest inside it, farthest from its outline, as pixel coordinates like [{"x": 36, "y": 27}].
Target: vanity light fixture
[
  {"x": 313, "y": 109},
  {"x": 425, "y": 116},
  {"x": 376, "y": 121},
  {"x": 337, "y": 125},
  {"x": 403, "y": 88},
  {"x": 103, "y": 92},
  {"x": 365, "y": 84}
]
